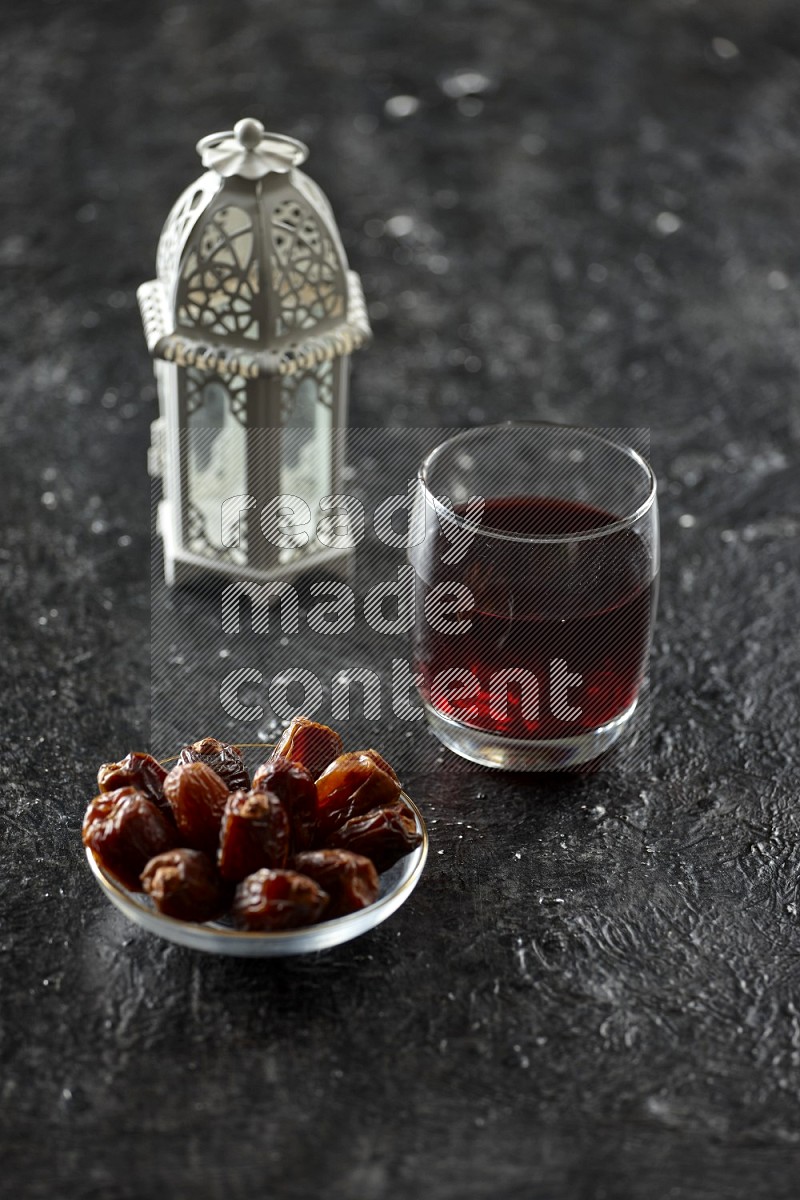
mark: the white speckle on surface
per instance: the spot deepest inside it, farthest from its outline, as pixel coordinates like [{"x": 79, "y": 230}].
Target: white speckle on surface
[
  {"x": 378, "y": 310},
  {"x": 724, "y": 48},
  {"x": 465, "y": 83},
  {"x": 597, "y": 272},
  {"x": 728, "y": 535},
  {"x": 98, "y": 525},
  {"x": 400, "y": 225},
  {"x": 778, "y": 281},
  {"x": 668, "y": 222},
  {"x": 439, "y": 264},
  {"x": 124, "y": 540},
  {"x": 687, "y": 521},
  {"x": 401, "y": 106},
  {"x": 49, "y": 500},
  {"x": 533, "y": 143},
  {"x": 224, "y": 654}
]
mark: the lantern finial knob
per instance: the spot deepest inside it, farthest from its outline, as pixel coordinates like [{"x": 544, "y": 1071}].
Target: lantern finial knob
[
  {"x": 250, "y": 152},
  {"x": 249, "y": 132}
]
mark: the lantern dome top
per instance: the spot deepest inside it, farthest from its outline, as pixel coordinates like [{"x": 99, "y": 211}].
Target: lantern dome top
[
  {"x": 250, "y": 152},
  {"x": 251, "y": 274}
]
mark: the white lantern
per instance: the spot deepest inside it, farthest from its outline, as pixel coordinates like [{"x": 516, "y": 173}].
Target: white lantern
[{"x": 251, "y": 320}]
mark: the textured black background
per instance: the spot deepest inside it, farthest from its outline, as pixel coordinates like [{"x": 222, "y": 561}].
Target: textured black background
[{"x": 595, "y": 991}]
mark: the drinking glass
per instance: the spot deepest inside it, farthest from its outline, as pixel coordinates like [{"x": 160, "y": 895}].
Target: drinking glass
[{"x": 536, "y": 560}]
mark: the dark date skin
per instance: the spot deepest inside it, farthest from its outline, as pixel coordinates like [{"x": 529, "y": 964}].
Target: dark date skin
[
  {"x": 222, "y": 758},
  {"x": 384, "y": 835},
  {"x": 353, "y": 784},
  {"x": 272, "y": 900},
  {"x": 124, "y": 829},
  {"x": 137, "y": 770},
  {"x": 197, "y": 797},
  {"x": 255, "y": 833},
  {"x": 381, "y": 762},
  {"x": 294, "y": 787},
  {"x": 306, "y": 842},
  {"x": 184, "y": 884},
  {"x": 313, "y": 746},
  {"x": 350, "y": 879}
]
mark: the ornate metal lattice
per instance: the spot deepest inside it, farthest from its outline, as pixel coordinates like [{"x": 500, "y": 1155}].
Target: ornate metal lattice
[
  {"x": 197, "y": 385},
  {"x": 306, "y": 270},
  {"x": 219, "y": 282},
  {"x": 322, "y": 377},
  {"x": 199, "y": 542},
  {"x": 186, "y": 210}
]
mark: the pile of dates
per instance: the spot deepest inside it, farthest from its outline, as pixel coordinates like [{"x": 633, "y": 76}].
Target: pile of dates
[{"x": 303, "y": 841}]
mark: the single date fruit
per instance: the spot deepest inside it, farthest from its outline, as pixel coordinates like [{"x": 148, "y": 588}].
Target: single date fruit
[
  {"x": 384, "y": 835},
  {"x": 313, "y": 746},
  {"x": 124, "y": 829},
  {"x": 381, "y": 761},
  {"x": 272, "y": 900},
  {"x": 295, "y": 789},
  {"x": 255, "y": 833},
  {"x": 137, "y": 770},
  {"x": 352, "y": 785},
  {"x": 222, "y": 758},
  {"x": 350, "y": 880},
  {"x": 197, "y": 797},
  {"x": 184, "y": 884}
]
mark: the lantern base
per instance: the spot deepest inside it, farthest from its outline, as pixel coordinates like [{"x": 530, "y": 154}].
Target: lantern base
[{"x": 182, "y": 567}]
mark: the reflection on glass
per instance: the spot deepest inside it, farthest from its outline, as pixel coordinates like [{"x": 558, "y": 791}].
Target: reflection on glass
[
  {"x": 216, "y": 446},
  {"x": 306, "y": 403}
]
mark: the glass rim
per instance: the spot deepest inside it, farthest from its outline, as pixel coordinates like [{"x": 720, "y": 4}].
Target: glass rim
[{"x": 554, "y": 538}]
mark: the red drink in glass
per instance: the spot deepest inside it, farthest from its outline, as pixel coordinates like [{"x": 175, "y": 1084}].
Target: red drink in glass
[{"x": 536, "y": 577}]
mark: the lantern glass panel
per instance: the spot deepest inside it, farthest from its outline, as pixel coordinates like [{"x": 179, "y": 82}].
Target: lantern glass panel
[
  {"x": 216, "y": 462},
  {"x": 307, "y": 407}
]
